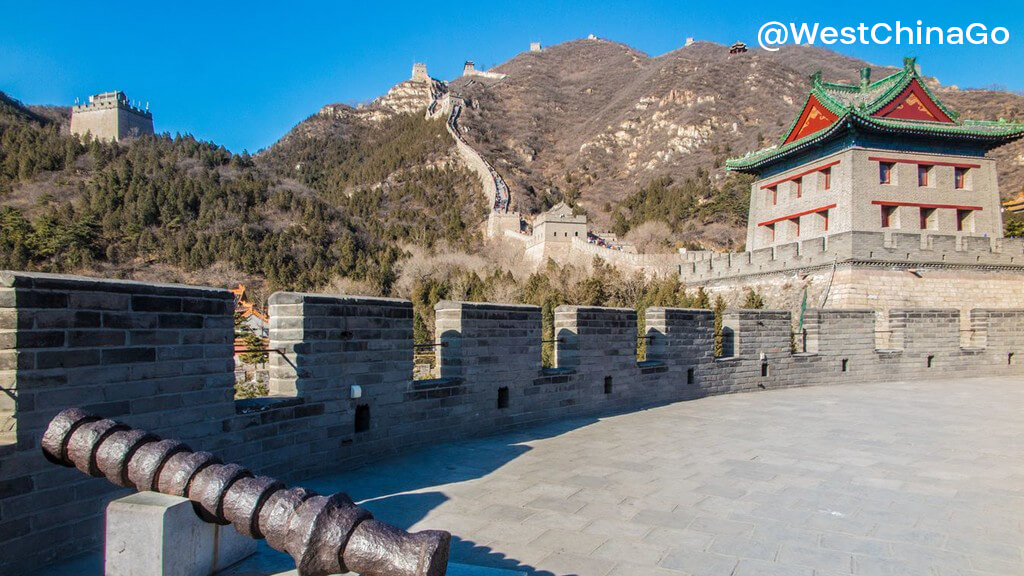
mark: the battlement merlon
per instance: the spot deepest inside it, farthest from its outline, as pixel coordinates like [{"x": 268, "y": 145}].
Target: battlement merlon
[
  {"x": 109, "y": 100},
  {"x": 900, "y": 249}
]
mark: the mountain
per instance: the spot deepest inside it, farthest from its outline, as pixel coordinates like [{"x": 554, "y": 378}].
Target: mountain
[
  {"x": 603, "y": 120},
  {"x": 371, "y": 198},
  {"x": 176, "y": 209}
]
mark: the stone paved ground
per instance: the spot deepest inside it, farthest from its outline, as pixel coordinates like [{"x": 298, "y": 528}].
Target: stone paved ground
[{"x": 892, "y": 478}]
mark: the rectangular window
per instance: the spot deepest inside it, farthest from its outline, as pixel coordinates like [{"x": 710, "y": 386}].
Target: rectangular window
[
  {"x": 770, "y": 230},
  {"x": 824, "y": 220},
  {"x": 798, "y": 187},
  {"x": 965, "y": 220},
  {"x": 923, "y": 172},
  {"x": 826, "y": 179},
  {"x": 959, "y": 178},
  {"x": 774, "y": 194},
  {"x": 889, "y": 217},
  {"x": 885, "y": 172},
  {"x": 928, "y": 219},
  {"x": 796, "y": 227}
]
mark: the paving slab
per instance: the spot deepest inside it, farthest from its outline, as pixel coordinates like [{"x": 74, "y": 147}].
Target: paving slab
[{"x": 887, "y": 478}]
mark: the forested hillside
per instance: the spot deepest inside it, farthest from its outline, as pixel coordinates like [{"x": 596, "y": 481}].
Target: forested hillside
[
  {"x": 374, "y": 200},
  {"x": 171, "y": 207}
]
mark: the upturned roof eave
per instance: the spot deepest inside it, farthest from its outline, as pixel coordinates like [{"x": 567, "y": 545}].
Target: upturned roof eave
[{"x": 961, "y": 132}]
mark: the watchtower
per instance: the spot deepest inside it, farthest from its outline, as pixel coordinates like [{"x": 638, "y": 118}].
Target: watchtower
[
  {"x": 877, "y": 156},
  {"x": 112, "y": 117},
  {"x": 419, "y": 72}
]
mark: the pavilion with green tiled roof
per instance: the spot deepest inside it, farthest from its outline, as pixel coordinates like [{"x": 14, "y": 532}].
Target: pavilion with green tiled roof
[{"x": 898, "y": 111}]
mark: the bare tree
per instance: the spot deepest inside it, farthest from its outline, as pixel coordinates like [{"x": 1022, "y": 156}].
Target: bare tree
[{"x": 651, "y": 237}]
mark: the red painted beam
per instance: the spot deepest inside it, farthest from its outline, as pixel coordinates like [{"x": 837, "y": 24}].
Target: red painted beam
[
  {"x": 916, "y": 205},
  {"x": 801, "y": 175},
  {"x": 797, "y": 215},
  {"x": 925, "y": 162}
]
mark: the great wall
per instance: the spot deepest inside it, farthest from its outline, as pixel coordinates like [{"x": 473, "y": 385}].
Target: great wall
[
  {"x": 159, "y": 357},
  {"x": 875, "y": 305}
]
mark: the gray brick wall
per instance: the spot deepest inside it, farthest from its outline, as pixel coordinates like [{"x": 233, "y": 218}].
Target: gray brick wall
[
  {"x": 926, "y": 249},
  {"x": 493, "y": 351},
  {"x": 155, "y": 356},
  {"x": 159, "y": 357}
]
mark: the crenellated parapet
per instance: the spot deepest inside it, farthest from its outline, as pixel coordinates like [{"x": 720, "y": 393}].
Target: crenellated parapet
[
  {"x": 879, "y": 249},
  {"x": 159, "y": 357},
  {"x": 111, "y": 116}
]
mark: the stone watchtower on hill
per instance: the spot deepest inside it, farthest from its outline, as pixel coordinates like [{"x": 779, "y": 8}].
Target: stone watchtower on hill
[
  {"x": 112, "y": 117},
  {"x": 883, "y": 156},
  {"x": 554, "y": 232},
  {"x": 419, "y": 73}
]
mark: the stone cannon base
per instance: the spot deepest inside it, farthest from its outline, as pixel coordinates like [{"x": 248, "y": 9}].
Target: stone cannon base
[
  {"x": 453, "y": 570},
  {"x": 153, "y": 534}
]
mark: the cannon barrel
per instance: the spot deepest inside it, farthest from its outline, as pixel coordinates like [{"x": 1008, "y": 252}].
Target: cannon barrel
[{"x": 323, "y": 534}]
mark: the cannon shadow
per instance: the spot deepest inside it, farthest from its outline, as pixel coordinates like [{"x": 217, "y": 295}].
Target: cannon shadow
[{"x": 404, "y": 490}]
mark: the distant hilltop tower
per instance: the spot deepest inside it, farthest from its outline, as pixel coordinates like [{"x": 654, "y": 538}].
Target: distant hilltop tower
[
  {"x": 419, "y": 73},
  {"x": 535, "y": 47},
  {"x": 112, "y": 117},
  {"x": 469, "y": 69}
]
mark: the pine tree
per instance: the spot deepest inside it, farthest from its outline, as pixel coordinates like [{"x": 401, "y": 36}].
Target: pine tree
[{"x": 719, "y": 342}]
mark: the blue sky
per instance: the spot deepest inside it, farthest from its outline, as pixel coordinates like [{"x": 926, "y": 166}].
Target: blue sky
[{"x": 242, "y": 75}]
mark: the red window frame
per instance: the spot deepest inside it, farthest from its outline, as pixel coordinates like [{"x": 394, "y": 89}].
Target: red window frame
[
  {"x": 924, "y": 213},
  {"x": 887, "y": 214},
  {"x": 775, "y": 195},
  {"x": 799, "y": 183},
  {"x": 960, "y": 177},
  {"x": 796, "y": 221},
  {"x": 885, "y": 172},
  {"x": 923, "y": 172},
  {"x": 826, "y": 179},
  {"x": 824, "y": 214},
  {"x": 961, "y": 217}
]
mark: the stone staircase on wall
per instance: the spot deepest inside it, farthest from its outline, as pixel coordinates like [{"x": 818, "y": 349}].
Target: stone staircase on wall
[{"x": 495, "y": 190}]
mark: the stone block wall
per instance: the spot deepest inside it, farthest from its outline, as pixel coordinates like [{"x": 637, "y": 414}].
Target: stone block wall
[
  {"x": 905, "y": 248},
  {"x": 159, "y": 357},
  {"x": 155, "y": 356},
  {"x": 600, "y": 346},
  {"x": 582, "y": 251},
  {"x": 675, "y": 333},
  {"x": 331, "y": 343},
  {"x": 834, "y": 331},
  {"x": 493, "y": 352}
]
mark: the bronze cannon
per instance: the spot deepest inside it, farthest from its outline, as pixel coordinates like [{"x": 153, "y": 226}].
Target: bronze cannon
[{"x": 323, "y": 534}]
